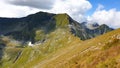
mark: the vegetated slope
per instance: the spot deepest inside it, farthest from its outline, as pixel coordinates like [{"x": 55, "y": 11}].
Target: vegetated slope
[
  {"x": 99, "y": 52},
  {"x": 28, "y": 57},
  {"x": 10, "y": 50},
  {"x": 19, "y": 55}
]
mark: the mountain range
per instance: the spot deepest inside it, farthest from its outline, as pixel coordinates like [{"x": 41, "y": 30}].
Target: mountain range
[
  {"x": 24, "y": 28},
  {"x": 47, "y": 40}
]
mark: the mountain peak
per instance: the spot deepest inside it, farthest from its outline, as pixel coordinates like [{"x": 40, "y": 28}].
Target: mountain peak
[
  {"x": 105, "y": 26},
  {"x": 40, "y": 14},
  {"x": 95, "y": 24},
  {"x": 83, "y": 23},
  {"x": 62, "y": 19}
]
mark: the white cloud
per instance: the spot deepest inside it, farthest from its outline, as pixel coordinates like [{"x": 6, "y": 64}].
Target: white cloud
[
  {"x": 8, "y": 10},
  {"x": 100, "y": 7},
  {"x": 75, "y": 8},
  {"x": 110, "y": 17}
]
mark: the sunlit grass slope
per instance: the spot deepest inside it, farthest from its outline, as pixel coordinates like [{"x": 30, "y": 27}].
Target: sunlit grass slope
[
  {"x": 61, "y": 20},
  {"x": 16, "y": 55},
  {"x": 100, "y": 52},
  {"x": 29, "y": 57}
]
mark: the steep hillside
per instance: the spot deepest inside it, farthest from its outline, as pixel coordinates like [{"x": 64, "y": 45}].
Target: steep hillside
[
  {"x": 29, "y": 56},
  {"x": 61, "y": 49},
  {"x": 100, "y": 52}
]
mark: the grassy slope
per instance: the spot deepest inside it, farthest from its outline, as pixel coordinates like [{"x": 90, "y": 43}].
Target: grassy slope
[
  {"x": 28, "y": 57},
  {"x": 61, "y": 20},
  {"x": 100, "y": 52}
]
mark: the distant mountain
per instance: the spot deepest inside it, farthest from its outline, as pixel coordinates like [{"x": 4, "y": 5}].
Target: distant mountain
[
  {"x": 87, "y": 31},
  {"x": 25, "y": 28}
]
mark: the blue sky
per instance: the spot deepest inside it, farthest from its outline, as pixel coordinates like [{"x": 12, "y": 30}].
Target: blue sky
[
  {"x": 108, "y": 4},
  {"x": 108, "y": 13}
]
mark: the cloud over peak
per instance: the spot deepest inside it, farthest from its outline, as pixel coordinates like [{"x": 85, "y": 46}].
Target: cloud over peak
[
  {"x": 109, "y": 17},
  {"x": 75, "y": 8}
]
